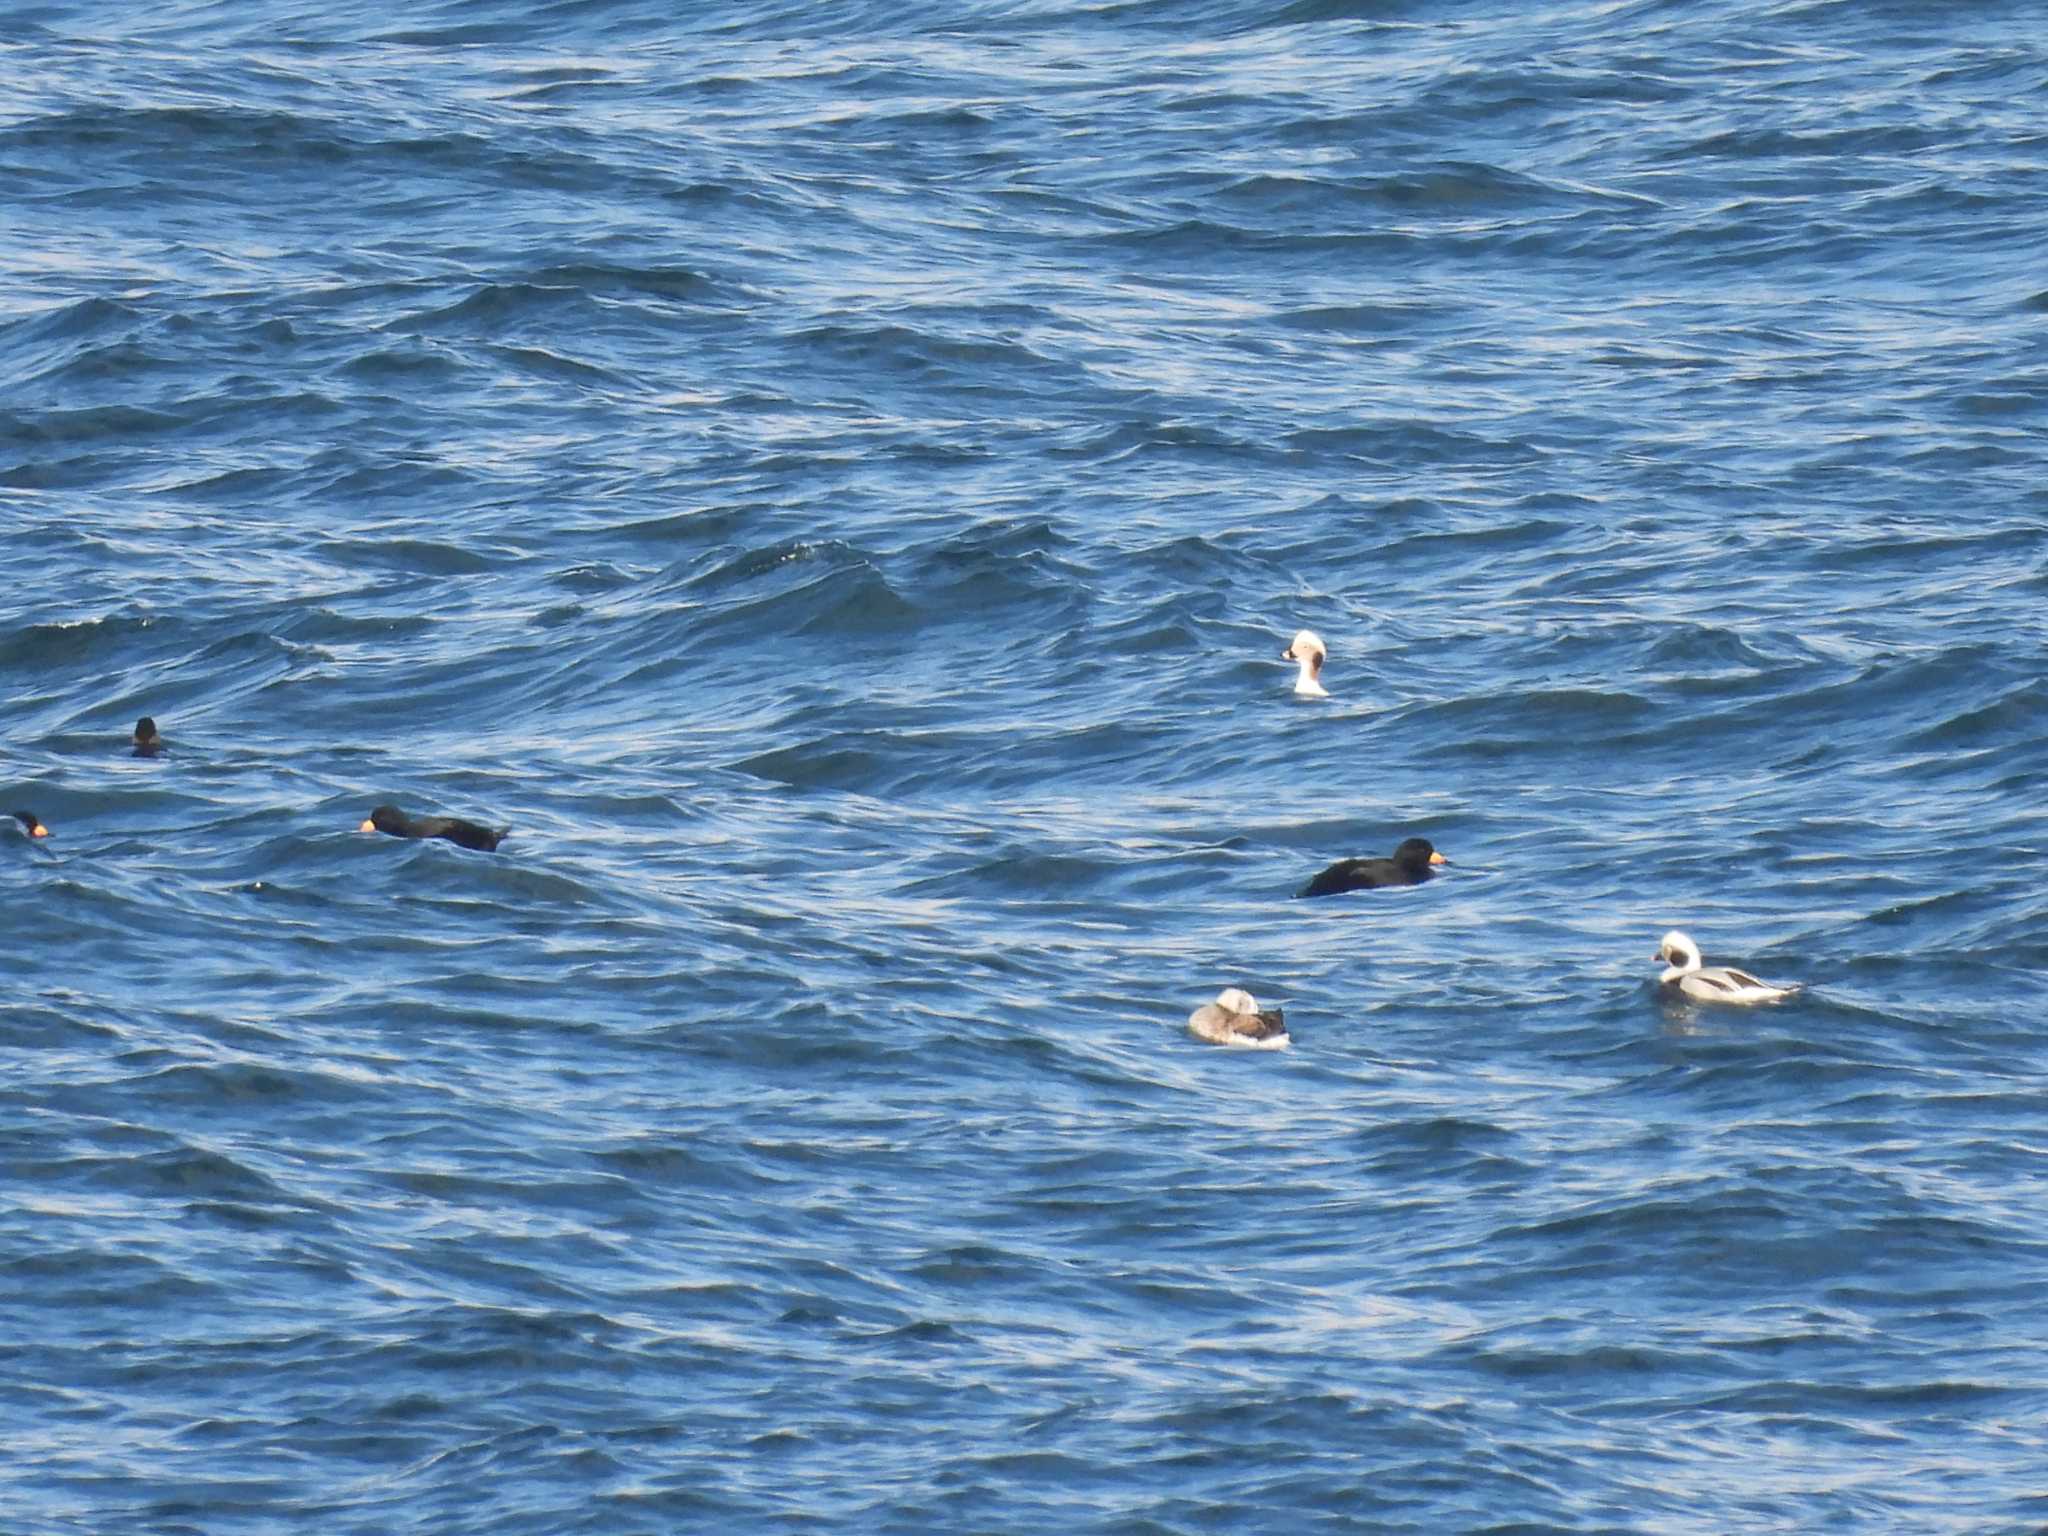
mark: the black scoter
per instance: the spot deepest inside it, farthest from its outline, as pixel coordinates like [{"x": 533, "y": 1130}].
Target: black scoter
[
  {"x": 389, "y": 818},
  {"x": 1413, "y": 862}
]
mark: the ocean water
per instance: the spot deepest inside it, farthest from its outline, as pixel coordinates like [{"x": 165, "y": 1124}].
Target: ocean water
[{"x": 836, "y": 482}]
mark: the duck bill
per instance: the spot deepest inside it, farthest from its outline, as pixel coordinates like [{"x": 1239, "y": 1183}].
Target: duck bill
[
  {"x": 1437, "y": 858},
  {"x": 39, "y": 830},
  {"x": 367, "y": 826}
]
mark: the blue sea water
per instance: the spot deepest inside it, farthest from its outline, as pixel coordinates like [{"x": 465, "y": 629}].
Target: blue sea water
[{"x": 836, "y": 481}]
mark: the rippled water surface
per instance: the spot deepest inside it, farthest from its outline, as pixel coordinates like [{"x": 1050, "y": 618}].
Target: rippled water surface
[{"x": 836, "y": 482}]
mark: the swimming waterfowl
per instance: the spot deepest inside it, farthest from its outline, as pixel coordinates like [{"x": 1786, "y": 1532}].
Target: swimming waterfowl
[
  {"x": 31, "y": 824},
  {"x": 1235, "y": 1019},
  {"x": 1715, "y": 984},
  {"x": 1309, "y": 652},
  {"x": 1413, "y": 862},
  {"x": 390, "y": 819},
  {"x": 147, "y": 742}
]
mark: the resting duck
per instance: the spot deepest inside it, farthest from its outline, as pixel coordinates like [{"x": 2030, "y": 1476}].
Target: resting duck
[
  {"x": 1308, "y": 650},
  {"x": 31, "y": 824},
  {"x": 1234, "y": 1019},
  {"x": 1413, "y": 862},
  {"x": 1719, "y": 984}
]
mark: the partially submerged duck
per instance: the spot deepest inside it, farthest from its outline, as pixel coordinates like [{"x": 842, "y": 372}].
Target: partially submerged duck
[
  {"x": 1413, "y": 862},
  {"x": 1309, "y": 652},
  {"x": 1711, "y": 984},
  {"x": 390, "y": 819},
  {"x": 147, "y": 742},
  {"x": 31, "y": 823},
  {"x": 1236, "y": 1019}
]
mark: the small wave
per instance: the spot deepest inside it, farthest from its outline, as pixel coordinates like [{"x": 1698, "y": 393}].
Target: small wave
[
  {"x": 870, "y": 762},
  {"x": 412, "y": 361},
  {"x": 858, "y": 603},
  {"x": 907, "y": 350},
  {"x": 752, "y": 563},
  {"x": 489, "y": 308},
  {"x": 612, "y": 280},
  {"x": 1393, "y": 318},
  {"x": 40, "y": 647},
  {"x": 121, "y": 424},
  {"x": 1023, "y": 874}
]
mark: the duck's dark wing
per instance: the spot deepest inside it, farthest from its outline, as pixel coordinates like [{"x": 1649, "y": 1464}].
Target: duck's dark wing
[
  {"x": 1355, "y": 875},
  {"x": 1260, "y": 1026}
]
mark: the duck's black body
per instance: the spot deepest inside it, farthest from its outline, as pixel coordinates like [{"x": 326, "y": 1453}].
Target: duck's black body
[
  {"x": 1413, "y": 862},
  {"x": 390, "y": 819}
]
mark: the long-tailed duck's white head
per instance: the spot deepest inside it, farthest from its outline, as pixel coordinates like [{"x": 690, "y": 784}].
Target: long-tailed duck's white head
[
  {"x": 1309, "y": 652},
  {"x": 1678, "y": 952},
  {"x": 1236, "y": 1000}
]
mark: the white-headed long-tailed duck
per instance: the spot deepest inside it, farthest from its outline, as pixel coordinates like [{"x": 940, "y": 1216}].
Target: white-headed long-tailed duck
[
  {"x": 1717, "y": 984},
  {"x": 1308, "y": 651},
  {"x": 1234, "y": 1019},
  {"x": 1413, "y": 862}
]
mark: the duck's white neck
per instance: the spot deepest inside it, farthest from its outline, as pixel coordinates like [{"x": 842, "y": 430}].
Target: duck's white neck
[
  {"x": 1305, "y": 683},
  {"x": 1682, "y": 967}
]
